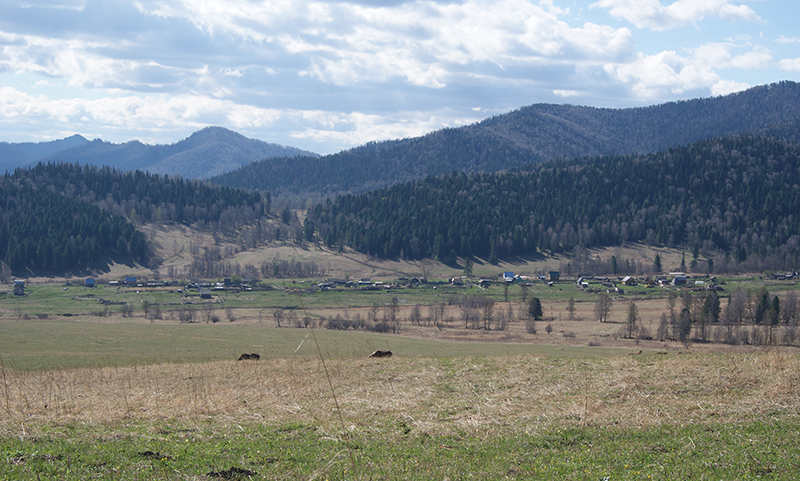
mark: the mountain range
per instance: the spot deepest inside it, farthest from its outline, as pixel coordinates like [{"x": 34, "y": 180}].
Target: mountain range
[
  {"x": 206, "y": 153},
  {"x": 528, "y": 135},
  {"x": 719, "y": 176}
]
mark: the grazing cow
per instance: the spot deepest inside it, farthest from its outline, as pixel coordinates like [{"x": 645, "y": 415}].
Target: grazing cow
[
  {"x": 634, "y": 353},
  {"x": 250, "y": 357},
  {"x": 381, "y": 354}
]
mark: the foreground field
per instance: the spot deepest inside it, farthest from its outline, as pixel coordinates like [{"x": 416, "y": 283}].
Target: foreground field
[{"x": 649, "y": 416}]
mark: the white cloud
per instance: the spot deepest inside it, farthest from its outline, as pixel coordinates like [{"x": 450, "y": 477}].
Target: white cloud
[
  {"x": 717, "y": 55},
  {"x": 77, "y": 5},
  {"x": 790, "y": 64},
  {"x": 358, "y": 128},
  {"x": 654, "y": 15},
  {"x": 335, "y": 73},
  {"x": 654, "y": 76},
  {"x": 149, "y": 112},
  {"x": 725, "y": 87},
  {"x": 424, "y": 43},
  {"x": 566, "y": 93},
  {"x": 157, "y": 115},
  {"x": 76, "y": 61}
]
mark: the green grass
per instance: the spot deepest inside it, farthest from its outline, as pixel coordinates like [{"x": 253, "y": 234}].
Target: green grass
[
  {"x": 51, "y": 344},
  {"x": 53, "y": 301},
  {"x": 172, "y": 450}
]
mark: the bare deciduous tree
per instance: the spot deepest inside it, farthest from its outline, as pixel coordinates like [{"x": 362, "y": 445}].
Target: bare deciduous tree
[
  {"x": 632, "y": 320},
  {"x": 415, "y": 316},
  {"x": 571, "y": 308},
  {"x": 602, "y": 307},
  {"x": 488, "y": 313},
  {"x": 277, "y": 315}
]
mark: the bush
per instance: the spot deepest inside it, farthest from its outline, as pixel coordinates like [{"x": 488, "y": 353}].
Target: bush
[
  {"x": 530, "y": 326},
  {"x": 381, "y": 327}
]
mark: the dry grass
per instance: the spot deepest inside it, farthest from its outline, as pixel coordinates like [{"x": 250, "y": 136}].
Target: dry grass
[{"x": 480, "y": 396}]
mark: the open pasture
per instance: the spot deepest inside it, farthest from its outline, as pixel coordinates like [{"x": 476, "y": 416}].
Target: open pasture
[
  {"x": 57, "y": 344},
  {"x": 516, "y": 416},
  {"x": 94, "y": 395}
]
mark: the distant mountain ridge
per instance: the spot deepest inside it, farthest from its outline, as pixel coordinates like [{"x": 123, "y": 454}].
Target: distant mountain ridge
[
  {"x": 16, "y": 155},
  {"x": 206, "y": 153},
  {"x": 529, "y": 135}
]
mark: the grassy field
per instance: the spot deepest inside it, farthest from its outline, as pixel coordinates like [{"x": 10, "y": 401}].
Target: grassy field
[
  {"x": 675, "y": 416},
  {"x": 90, "y": 394},
  {"x": 55, "y": 344}
]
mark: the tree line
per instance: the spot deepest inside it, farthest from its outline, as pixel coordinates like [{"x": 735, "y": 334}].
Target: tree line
[
  {"x": 44, "y": 231},
  {"x": 748, "y": 317},
  {"x": 145, "y": 197}
]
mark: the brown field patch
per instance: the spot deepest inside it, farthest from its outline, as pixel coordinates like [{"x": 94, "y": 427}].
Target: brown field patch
[{"x": 508, "y": 394}]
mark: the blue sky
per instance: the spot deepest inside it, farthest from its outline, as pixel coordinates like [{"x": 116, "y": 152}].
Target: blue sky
[{"x": 326, "y": 75}]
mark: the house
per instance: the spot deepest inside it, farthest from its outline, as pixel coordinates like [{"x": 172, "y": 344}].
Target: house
[
  {"x": 19, "y": 287},
  {"x": 554, "y": 276},
  {"x": 679, "y": 280},
  {"x": 508, "y": 276},
  {"x": 628, "y": 281},
  {"x": 113, "y": 283},
  {"x": 89, "y": 282},
  {"x": 205, "y": 294},
  {"x": 130, "y": 281}
]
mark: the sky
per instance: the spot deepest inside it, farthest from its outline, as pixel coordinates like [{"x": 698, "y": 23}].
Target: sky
[{"x": 327, "y": 75}]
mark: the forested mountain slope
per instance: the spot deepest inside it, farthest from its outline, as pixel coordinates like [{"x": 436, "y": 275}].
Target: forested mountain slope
[
  {"x": 68, "y": 217},
  {"x": 531, "y": 134},
  {"x": 736, "y": 198}
]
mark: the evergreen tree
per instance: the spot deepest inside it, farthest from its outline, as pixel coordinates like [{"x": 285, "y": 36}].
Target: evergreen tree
[{"x": 535, "y": 309}]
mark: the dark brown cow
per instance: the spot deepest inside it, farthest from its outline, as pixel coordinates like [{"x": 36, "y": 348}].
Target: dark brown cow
[
  {"x": 381, "y": 354},
  {"x": 250, "y": 357}
]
